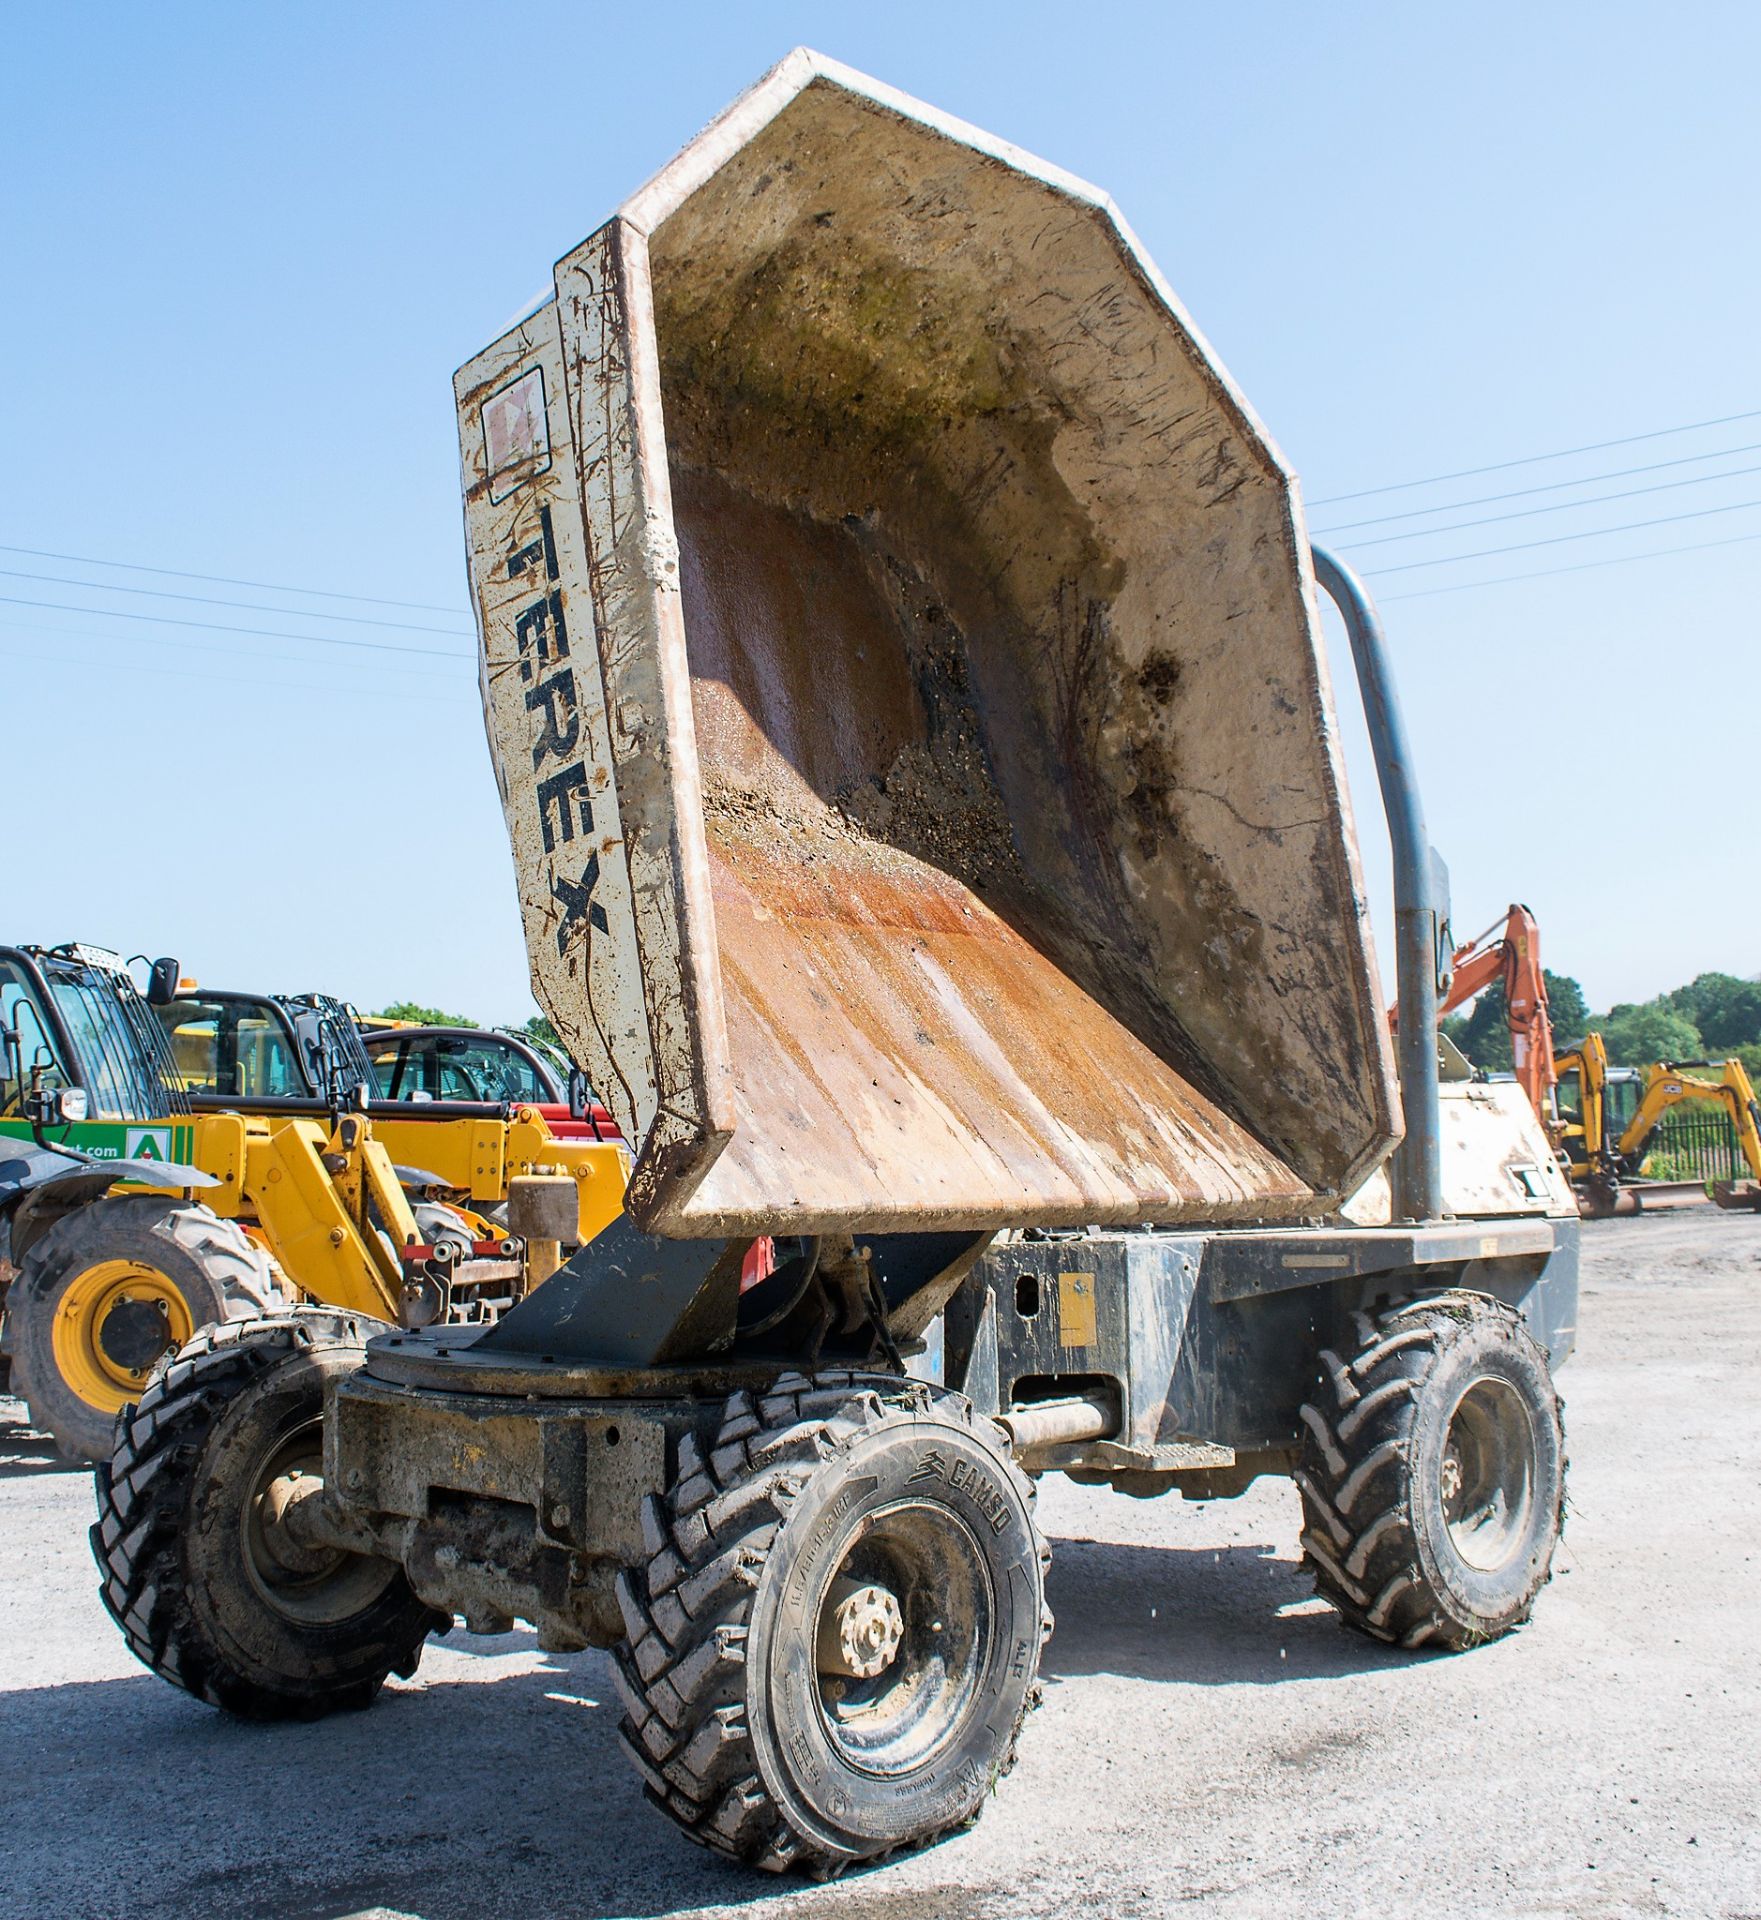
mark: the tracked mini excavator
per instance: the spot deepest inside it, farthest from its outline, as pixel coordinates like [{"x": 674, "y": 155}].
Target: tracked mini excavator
[
  {"x": 1509, "y": 953},
  {"x": 902, "y": 665},
  {"x": 1608, "y": 1120}
]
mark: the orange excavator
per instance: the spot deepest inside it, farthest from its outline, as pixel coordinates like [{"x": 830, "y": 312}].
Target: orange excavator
[
  {"x": 1509, "y": 951},
  {"x": 1602, "y": 1154}
]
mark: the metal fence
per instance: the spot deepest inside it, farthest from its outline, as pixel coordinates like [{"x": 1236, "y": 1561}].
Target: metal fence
[{"x": 1695, "y": 1143}]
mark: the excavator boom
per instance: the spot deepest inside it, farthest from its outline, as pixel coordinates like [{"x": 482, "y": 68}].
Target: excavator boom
[{"x": 1510, "y": 951}]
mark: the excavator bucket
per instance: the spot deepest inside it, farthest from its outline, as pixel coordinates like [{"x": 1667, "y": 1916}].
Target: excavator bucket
[{"x": 901, "y": 668}]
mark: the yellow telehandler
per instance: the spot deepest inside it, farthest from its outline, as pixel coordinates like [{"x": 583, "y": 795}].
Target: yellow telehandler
[
  {"x": 302, "y": 1194},
  {"x": 297, "y": 1053}
]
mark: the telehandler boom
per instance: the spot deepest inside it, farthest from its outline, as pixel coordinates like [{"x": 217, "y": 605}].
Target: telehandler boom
[{"x": 903, "y": 670}]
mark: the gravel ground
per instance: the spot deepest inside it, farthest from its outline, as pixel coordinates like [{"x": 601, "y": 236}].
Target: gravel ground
[{"x": 1210, "y": 1736}]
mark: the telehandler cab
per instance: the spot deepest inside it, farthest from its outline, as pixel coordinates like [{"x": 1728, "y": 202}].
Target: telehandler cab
[{"x": 903, "y": 670}]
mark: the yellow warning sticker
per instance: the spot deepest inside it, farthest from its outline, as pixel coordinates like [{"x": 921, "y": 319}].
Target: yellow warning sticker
[{"x": 1076, "y": 1309}]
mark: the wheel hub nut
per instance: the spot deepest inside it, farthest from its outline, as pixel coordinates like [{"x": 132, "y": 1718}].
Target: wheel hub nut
[
  {"x": 859, "y": 1629},
  {"x": 282, "y": 1541}
]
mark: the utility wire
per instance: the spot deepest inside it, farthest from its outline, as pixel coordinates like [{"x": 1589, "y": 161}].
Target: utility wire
[
  {"x": 1582, "y": 566},
  {"x": 1524, "y": 493},
  {"x": 220, "y": 626},
  {"x": 205, "y": 600},
  {"x": 1533, "y": 459},
  {"x": 400, "y": 673},
  {"x": 38, "y": 659},
  {"x": 1558, "y": 506},
  {"x": 229, "y": 580},
  {"x": 1558, "y": 539}
]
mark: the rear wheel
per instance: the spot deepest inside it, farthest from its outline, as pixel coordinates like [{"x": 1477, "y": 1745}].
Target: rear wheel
[
  {"x": 1433, "y": 1474},
  {"x": 209, "y": 1590},
  {"x": 837, "y": 1632},
  {"x": 107, "y": 1290}
]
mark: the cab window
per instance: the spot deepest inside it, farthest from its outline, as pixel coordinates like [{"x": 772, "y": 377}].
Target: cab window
[
  {"x": 486, "y": 1070},
  {"x": 230, "y": 1048},
  {"x": 19, "y": 1012},
  {"x": 440, "y": 1066},
  {"x": 397, "y": 1076},
  {"x": 1621, "y": 1104}
]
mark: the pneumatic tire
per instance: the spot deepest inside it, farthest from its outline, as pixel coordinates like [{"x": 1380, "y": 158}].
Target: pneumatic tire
[
  {"x": 1432, "y": 1474},
  {"x": 206, "y": 1593},
  {"x": 107, "y": 1290},
  {"x": 839, "y": 1524}
]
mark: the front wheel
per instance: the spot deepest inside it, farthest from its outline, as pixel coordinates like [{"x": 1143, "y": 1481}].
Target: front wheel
[
  {"x": 209, "y": 1590},
  {"x": 1433, "y": 1474},
  {"x": 837, "y": 1632},
  {"x": 107, "y": 1290}
]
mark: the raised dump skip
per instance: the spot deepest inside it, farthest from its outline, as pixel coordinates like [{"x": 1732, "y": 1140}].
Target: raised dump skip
[{"x": 901, "y": 669}]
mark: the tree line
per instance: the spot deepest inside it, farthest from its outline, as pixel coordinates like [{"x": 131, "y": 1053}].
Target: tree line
[
  {"x": 537, "y": 1028},
  {"x": 1713, "y": 1016}
]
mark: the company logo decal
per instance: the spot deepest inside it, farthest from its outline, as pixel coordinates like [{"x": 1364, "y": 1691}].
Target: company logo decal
[{"x": 516, "y": 434}]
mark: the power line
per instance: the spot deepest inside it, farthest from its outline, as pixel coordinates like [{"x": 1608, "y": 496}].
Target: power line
[
  {"x": 221, "y": 626},
  {"x": 1558, "y": 539},
  {"x": 1582, "y": 566},
  {"x": 205, "y": 600},
  {"x": 38, "y": 659},
  {"x": 1558, "y": 506},
  {"x": 229, "y": 580},
  {"x": 1524, "y": 493},
  {"x": 401, "y": 671},
  {"x": 1533, "y": 459}
]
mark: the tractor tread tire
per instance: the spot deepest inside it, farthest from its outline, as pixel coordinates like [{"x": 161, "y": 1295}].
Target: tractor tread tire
[
  {"x": 144, "y": 1498},
  {"x": 1354, "y": 1476},
  {"x": 242, "y": 1281},
  {"x": 685, "y": 1610}
]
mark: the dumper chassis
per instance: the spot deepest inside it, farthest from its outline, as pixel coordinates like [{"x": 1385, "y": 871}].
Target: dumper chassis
[
  {"x": 824, "y": 1586},
  {"x": 796, "y": 1499}
]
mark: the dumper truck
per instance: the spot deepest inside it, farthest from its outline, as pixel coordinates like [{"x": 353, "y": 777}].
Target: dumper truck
[{"x": 902, "y": 664}]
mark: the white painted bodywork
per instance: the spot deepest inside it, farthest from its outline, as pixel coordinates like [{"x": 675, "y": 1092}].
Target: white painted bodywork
[{"x": 1495, "y": 1160}]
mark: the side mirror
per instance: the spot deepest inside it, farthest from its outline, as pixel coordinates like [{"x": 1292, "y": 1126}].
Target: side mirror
[
  {"x": 580, "y": 1095},
  {"x": 162, "y": 981}
]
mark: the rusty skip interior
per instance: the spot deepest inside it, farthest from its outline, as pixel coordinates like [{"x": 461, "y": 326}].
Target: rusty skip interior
[{"x": 1031, "y": 870}]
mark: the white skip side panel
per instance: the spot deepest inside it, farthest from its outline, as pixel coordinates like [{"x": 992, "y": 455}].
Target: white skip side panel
[{"x": 544, "y": 711}]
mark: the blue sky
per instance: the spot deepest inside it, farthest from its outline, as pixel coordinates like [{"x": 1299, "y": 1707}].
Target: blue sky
[{"x": 243, "y": 250}]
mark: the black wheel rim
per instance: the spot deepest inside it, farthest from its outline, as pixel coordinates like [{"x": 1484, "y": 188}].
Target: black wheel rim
[
  {"x": 1488, "y": 1474},
  {"x": 320, "y": 1588},
  {"x": 927, "y": 1562}
]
